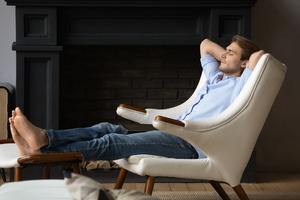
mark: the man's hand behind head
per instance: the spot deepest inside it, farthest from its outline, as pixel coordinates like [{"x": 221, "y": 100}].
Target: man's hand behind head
[{"x": 254, "y": 58}]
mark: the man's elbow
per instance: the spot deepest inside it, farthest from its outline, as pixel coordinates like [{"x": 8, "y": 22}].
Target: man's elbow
[
  {"x": 204, "y": 47},
  {"x": 254, "y": 58}
]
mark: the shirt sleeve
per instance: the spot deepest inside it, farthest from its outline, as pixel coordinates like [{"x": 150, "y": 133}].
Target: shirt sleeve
[{"x": 210, "y": 65}]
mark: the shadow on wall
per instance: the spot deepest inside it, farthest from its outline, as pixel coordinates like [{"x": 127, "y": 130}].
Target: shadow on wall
[{"x": 275, "y": 28}]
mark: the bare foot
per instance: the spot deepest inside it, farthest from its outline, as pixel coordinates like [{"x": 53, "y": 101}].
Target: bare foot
[
  {"x": 34, "y": 136},
  {"x": 24, "y": 148}
]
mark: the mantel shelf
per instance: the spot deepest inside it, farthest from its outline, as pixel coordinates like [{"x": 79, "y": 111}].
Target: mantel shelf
[{"x": 135, "y": 3}]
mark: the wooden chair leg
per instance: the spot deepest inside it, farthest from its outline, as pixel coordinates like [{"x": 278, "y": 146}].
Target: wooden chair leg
[
  {"x": 47, "y": 172},
  {"x": 149, "y": 185},
  {"x": 76, "y": 168},
  {"x": 240, "y": 192},
  {"x": 121, "y": 178},
  {"x": 217, "y": 186},
  {"x": 18, "y": 173}
]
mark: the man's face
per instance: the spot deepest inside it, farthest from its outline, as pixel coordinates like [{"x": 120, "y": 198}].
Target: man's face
[{"x": 231, "y": 63}]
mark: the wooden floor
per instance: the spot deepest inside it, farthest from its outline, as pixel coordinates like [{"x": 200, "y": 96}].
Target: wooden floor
[{"x": 270, "y": 182}]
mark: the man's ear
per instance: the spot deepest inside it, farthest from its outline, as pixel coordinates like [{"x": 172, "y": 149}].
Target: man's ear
[{"x": 244, "y": 64}]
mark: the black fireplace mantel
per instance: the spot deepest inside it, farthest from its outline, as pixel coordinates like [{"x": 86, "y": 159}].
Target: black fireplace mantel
[
  {"x": 44, "y": 27},
  {"x": 135, "y": 3}
]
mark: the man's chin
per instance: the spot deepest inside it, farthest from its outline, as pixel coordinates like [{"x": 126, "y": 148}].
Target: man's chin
[{"x": 221, "y": 67}]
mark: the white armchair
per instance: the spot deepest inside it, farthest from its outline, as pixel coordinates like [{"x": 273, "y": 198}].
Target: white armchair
[{"x": 227, "y": 139}]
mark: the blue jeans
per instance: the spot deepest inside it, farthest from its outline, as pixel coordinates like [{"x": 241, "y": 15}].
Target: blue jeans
[{"x": 106, "y": 141}]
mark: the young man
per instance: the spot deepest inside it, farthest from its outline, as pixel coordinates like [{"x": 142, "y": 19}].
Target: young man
[{"x": 226, "y": 70}]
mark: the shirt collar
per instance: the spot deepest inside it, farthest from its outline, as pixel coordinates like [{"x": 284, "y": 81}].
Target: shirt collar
[{"x": 220, "y": 76}]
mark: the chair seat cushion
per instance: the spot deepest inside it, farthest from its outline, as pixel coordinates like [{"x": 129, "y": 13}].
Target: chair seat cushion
[
  {"x": 9, "y": 155},
  {"x": 137, "y": 158}
]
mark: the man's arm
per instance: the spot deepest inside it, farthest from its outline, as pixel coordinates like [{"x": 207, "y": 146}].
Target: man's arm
[
  {"x": 254, "y": 58},
  {"x": 208, "y": 46}
]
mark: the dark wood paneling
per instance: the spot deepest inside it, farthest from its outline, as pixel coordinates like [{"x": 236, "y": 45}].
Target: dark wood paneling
[
  {"x": 226, "y": 22},
  {"x": 36, "y": 26},
  {"x": 134, "y": 3},
  {"x": 147, "y": 26},
  {"x": 38, "y": 87}
]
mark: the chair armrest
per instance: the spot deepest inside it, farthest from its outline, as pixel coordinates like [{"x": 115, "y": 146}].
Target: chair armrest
[
  {"x": 51, "y": 158},
  {"x": 138, "y": 115},
  {"x": 5, "y": 141},
  {"x": 169, "y": 120},
  {"x": 132, "y": 108},
  {"x": 178, "y": 128}
]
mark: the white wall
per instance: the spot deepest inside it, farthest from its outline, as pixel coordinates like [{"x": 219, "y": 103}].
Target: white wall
[{"x": 7, "y": 37}]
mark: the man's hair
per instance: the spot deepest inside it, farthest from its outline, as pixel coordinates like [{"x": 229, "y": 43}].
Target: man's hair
[{"x": 248, "y": 47}]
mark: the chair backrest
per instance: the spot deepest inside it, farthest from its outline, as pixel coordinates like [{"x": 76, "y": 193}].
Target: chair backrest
[{"x": 232, "y": 134}]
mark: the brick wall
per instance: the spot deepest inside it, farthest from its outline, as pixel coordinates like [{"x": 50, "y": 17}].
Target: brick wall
[{"x": 94, "y": 80}]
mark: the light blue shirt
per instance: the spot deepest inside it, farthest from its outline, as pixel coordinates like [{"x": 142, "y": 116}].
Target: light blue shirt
[{"x": 216, "y": 94}]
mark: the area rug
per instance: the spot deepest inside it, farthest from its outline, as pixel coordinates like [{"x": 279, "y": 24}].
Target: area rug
[
  {"x": 110, "y": 176},
  {"x": 177, "y": 195}
]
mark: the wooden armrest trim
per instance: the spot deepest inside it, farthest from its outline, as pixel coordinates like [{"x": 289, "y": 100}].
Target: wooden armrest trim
[
  {"x": 169, "y": 120},
  {"x": 51, "y": 158},
  {"x": 133, "y": 108},
  {"x": 4, "y": 141}
]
